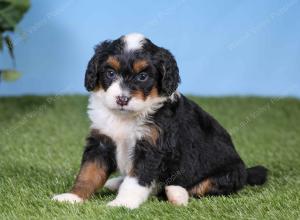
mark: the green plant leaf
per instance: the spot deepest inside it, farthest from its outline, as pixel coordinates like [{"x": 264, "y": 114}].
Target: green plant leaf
[
  {"x": 10, "y": 75},
  {"x": 10, "y": 46},
  {"x": 11, "y": 12},
  {"x": 1, "y": 42}
]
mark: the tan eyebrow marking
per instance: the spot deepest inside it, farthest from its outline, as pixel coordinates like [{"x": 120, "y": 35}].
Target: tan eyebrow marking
[
  {"x": 139, "y": 65},
  {"x": 114, "y": 63}
]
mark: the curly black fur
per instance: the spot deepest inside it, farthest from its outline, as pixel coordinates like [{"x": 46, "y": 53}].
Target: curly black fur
[
  {"x": 191, "y": 146},
  {"x": 194, "y": 143}
]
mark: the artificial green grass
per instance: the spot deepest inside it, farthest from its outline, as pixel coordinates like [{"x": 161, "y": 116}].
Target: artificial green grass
[{"x": 42, "y": 139}]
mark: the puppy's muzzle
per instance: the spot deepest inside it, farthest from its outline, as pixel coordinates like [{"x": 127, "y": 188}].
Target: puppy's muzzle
[{"x": 122, "y": 100}]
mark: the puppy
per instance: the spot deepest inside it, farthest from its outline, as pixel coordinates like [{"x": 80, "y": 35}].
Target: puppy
[{"x": 154, "y": 136}]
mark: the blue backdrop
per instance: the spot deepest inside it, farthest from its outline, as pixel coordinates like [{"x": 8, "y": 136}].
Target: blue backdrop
[{"x": 230, "y": 47}]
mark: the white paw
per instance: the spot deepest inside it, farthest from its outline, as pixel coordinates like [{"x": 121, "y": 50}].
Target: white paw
[
  {"x": 67, "y": 197},
  {"x": 127, "y": 203},
  {"x": 113, "y": 184},
  {"x": 177, "y": 195}
]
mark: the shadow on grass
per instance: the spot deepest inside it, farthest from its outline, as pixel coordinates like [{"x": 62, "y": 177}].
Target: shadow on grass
[{"x": 18, "y": 107}]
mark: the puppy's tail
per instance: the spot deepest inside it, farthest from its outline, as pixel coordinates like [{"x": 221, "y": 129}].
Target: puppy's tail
[{"x": 257, "y": 175}]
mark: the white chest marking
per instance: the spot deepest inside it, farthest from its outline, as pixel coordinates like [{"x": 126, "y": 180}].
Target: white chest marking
[{"x": 125, "y": 131}]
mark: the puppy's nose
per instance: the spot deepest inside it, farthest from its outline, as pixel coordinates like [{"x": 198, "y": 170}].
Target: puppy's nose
[{"x": 122, "y": 100}]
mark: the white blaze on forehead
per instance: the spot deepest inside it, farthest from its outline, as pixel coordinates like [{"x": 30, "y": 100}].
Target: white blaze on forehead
[{"x": 133, "y": 41}]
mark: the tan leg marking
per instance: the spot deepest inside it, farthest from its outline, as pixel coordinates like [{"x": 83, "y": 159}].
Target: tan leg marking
[
  {"x": 202, "y": 188},
  {"x": 91, "y": 177}
]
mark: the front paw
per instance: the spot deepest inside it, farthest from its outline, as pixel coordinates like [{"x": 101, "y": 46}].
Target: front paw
[
  {"x": 67, "y": 197},
  {"x": 127, "y": 203}
]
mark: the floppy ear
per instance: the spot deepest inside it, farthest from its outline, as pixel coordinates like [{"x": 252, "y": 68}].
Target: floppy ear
[
  {"x": 169, "y": 71},
  {"x": 92, "y": 78}
]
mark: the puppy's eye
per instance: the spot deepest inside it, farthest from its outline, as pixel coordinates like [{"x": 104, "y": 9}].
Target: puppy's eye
[
  {"x": 110, "y": 74},
  {"x": 142, "y": 76}
]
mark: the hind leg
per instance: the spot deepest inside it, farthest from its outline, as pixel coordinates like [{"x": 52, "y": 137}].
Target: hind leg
[
  {"x": 177, "y": 195},
  {"x": 221, "y": 184},
  {"x": 114, "y": 183}
]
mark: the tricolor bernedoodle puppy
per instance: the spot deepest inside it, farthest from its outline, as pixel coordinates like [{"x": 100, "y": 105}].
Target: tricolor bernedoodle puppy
[{"x": 154, "y": 136}]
